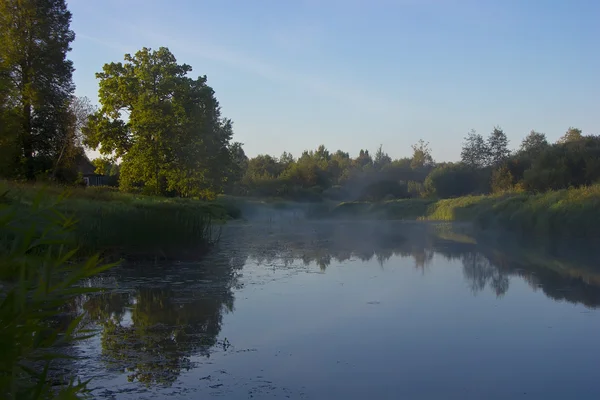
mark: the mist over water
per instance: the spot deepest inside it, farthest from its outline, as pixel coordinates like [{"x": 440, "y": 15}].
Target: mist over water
[{"x": 287, "y": 308}]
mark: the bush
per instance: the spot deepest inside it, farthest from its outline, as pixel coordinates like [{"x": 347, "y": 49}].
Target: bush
[
  {"x": 454, "y": 180},
  {"x": 380, "y": 190},
  {"x": 564, "y": 165},
  {"x": 502, "y": 180}
]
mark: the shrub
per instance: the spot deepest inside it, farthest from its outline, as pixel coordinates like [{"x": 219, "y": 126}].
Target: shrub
[
  {"x": 380, "y": 190},
  {"x": 453, "y": 180},
  {"x": 502, "y": 180}
]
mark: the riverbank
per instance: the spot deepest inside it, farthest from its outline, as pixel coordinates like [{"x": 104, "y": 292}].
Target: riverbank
[
  {"x": 122, "y": 225},
  {"x": 573, "y": 213}
]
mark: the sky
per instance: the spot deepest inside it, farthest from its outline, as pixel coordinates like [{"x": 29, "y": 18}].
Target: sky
[{"x": 353, "y": 74}]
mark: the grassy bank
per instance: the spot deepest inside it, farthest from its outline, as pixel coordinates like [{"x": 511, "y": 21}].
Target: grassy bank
[
  {"x": 570, "y": 212},
  {"x": 125, "y": 225}
]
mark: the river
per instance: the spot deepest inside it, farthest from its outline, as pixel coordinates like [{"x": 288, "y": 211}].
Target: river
[{"x": 349, "y": 310}]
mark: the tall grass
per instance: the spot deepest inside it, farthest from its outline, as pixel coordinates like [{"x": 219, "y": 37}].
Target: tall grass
[
  {"x": 39, "y": 277},
  {"x": 569, "y": 212},
  {"x": 126, "y": 225}
]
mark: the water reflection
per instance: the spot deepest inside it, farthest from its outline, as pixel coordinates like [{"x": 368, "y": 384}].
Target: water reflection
[
  {"x": 485, "y": 263},
  {"x": 154, "y": 319}
]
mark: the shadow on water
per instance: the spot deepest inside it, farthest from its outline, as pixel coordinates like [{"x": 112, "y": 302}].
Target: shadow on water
[{"x": 155, "y": 320}]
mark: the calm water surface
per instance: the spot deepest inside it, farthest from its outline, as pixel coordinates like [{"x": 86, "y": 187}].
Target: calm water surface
[{"x": 349, "y": 311}]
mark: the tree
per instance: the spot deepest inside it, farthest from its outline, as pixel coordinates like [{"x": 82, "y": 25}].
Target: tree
[
  {"x": 175, "y": 139},
  {"x": 497, "y": 146},
  {"x": 502, "y": 180},
  {"x": 69, "y": 143},
  {"x": 381, "y": 158},
  {"x": 36, "y": 75},
  {"x": 534, "y": 143},
  {"x": 452, "y": 180},
  {"x": 322, "y": 154},
  {"x": 286, "y": 158},
  {"x": 475, "y": 152},
  {"x": 572, "y": 135},
  {"x": 421, "y": 155},
  {"x": 363, "y": 159}
]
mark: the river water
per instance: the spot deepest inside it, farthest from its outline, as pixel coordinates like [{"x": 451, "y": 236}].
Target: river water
[{"x": 349, "y": 310}]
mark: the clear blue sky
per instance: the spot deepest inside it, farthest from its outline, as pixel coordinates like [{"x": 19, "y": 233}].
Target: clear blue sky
[{"x": 354, "y": 74}]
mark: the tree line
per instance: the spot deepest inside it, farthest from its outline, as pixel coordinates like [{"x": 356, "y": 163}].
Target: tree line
[
  {"x": 487, "y": 165},
  {"x": 161, "y": 131}
]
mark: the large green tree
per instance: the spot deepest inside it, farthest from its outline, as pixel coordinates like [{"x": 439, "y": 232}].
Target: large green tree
[
  {"x": 35, "y": 80},
  {"x": 166, "y": 127}
]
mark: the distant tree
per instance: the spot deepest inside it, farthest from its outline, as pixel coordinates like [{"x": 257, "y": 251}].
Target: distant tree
[
  {"x": 364, "y": 159},
  {"x": 475, "y": 151},
  {"x": 381, "y": 158},
  {"x": 322, "y": 154},
  {"x": 502, "y": 179},
  {"x": 534, "y": 143},
  {"x": 36, "y": 77},
  {"x": 263, "y": 166},
  {"x": 421, "y": 155},
  {"x": 175, "y": 139},
  {"x": 569, "y": 164},
  {"x": 497, "y": 147},
  {"x": 105, "y": 166},
  {"x": 69, "y": 142},
  {"x": 286, "y": 158},
  {"x": 451, "y": 180},
  {"x": 572, "y": 135},
  {"x": 238, "y": 165},
  {"x": 341, "y": 155}
]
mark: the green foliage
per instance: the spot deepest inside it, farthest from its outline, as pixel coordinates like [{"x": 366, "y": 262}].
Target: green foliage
[
  {"x": 533, "y": 144},
  {"x": 40, "y": 277},
  {"x": 452, "y": 180},
  {"x": 572, "y": 135},
  {"x": 320, "y": 174},
  {"x": 475, "y": 151},
  {"x": 381, "y": 159},
  {"x": 175, "y": 139},
  {"x": 385, "y": 189},
  {"x": 566, "y": 164},
  {"x": 497, "y": 147},
  {"x": 421, "y": 155},
  {"x": 502, "y": 180},
  {"x": 36, "y": 84},
  {"x": 415, "y": 189}
]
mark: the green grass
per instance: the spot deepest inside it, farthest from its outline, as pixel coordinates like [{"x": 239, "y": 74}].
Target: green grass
[
  {"x": 118, "y": 224},
  {"x": 569, "y": 212}
]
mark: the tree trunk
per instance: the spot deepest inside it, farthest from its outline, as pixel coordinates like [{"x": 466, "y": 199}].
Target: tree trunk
[{"x": 26, "y": 140}]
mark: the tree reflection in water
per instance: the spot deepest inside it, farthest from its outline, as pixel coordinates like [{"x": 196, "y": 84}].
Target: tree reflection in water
[
  {"x": 158, "y": 317},
  {"x": 151, "y": 329}
]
